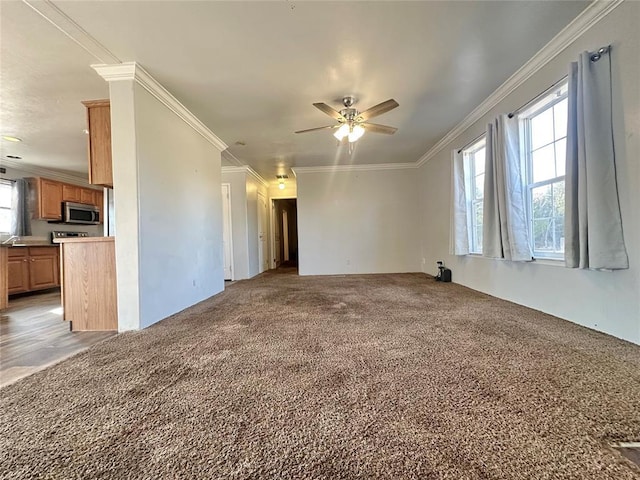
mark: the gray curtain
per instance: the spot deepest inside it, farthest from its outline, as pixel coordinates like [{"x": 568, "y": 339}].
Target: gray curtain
[
  {"x": 20, "y": 219},
  {"x": 593, "y": 224},
  {"x": 505, "y": 232}
]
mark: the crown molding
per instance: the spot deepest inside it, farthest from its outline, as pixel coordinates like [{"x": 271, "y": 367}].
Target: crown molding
[
  {"x": 57, "y": 18},
  {"x": 238, "y": 169},
  {"x": 352, "y": 168},
  {"x": 230, "y": 157},
  {"x": 133, "y": 71},
  {"x": 248, "y": 170},
  {"x": 37, "y": 171},
  {"x": 591, "y": 15},
  {"x": 257, "y": 176}
]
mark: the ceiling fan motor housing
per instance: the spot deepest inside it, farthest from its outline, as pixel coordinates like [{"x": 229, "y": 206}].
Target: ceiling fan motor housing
[
  {"x": 348, "y": 101},
  {"x": 349, "y": 114}
]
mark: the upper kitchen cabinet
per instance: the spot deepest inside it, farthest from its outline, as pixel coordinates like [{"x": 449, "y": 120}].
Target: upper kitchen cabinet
[
  {"x": 71, "y": 193},
  {"x": 87, "y": 196},
  {"x": 99, "y": 126},
  {"x": 45, "y": 198}
]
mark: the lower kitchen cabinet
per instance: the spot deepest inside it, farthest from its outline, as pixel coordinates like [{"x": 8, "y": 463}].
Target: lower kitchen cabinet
[
  {"x": 33, "y": 268},
  {"x": 18, "y": 267}
]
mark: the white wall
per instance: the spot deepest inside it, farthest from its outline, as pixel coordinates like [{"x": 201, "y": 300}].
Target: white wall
[
  {"x": 605, "y": 301},
  {"x": 181, "y": 258},
  {"x": 168, "y": 209},
  {"x": 364, "y": 221}
]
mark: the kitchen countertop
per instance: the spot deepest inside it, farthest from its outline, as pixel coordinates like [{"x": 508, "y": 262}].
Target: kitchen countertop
[
  {"x": 84, "y": 239},
  {"x": 21, "y": 245}
]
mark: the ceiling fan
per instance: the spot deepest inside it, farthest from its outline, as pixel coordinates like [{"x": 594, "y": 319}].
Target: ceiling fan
[{"x": 351, "y": 123}]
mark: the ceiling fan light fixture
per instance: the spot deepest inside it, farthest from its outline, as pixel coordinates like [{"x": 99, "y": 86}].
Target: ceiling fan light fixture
[
  {"x": 342, "y": 132},
  {"x": 356, "y": 133}
]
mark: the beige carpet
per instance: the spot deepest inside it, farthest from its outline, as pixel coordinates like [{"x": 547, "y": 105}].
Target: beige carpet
[{"x": 373, "y": 376}]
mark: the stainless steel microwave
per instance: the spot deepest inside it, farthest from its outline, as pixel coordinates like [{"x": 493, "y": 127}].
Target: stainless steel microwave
[{"x": 80, "y": 213}]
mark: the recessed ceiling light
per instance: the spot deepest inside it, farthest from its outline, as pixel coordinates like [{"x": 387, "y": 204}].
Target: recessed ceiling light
[
  {"x": 14, "y": 157},
  {"x": 10, "y": 138}
]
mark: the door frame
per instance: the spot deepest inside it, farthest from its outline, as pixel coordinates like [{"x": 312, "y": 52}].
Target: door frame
[
  {"x": 272, "y": 220},
  {"x": 233, "y": 270},
  {"x": 267, "y": 263}
]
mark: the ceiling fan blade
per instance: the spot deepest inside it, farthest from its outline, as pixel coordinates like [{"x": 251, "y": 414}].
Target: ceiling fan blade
[
  {"x": 375, "y": 128},
  {"x": 378, "y": 110},
  {"x": 329, "y": 111},
  {"x": 317, "y": 128}
]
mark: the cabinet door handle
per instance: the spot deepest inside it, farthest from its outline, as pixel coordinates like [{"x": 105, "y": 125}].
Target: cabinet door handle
[
  {"x": 33, "y": 259},
  {"x": 24, "y": 260}
]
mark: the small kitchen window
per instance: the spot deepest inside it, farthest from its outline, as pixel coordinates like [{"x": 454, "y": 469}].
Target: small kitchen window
[{"x": 6, "y": 188}]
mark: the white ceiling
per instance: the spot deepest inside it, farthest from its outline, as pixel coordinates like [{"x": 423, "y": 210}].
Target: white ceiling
[{"x": 251, "y": 70}]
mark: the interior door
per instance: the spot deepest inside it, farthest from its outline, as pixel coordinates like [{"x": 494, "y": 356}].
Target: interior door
[
  {"x": 276, "y": 234},
  {"x": 285, "y": 234},
  {"x": 263, "y": 222},
  {"x": 226, "y": 232}
]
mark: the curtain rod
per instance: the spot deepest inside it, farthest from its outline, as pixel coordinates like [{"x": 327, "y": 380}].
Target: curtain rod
[
  {"x": 594, "y": 57},
  {"x": 538, "y": 97},
  {"x": 8, "y": 179},
  {"x": 472, "y": 141}
]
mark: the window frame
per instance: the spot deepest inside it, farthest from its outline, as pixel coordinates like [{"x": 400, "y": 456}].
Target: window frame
[
  {"x": 558, "y": 94},
  {"x": 5, "y": 183},
  {"x": 468, "y": 153}
]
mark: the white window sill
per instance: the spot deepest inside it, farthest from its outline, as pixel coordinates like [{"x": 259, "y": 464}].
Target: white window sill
[{"x": 554, "y": 262}]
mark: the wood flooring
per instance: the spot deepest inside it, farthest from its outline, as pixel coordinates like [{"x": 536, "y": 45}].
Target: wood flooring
[{"x": 33, "y": 336}]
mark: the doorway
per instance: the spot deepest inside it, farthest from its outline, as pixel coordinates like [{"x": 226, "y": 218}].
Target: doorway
[
  {"x": 284, "y": 214},
  {"x": 263, "y": 250},
  {"x": 227, "y": 243}
]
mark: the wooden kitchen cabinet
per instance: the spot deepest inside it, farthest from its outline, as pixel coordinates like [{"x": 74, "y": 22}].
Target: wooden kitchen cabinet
[
  {"x": 18, "y": 267},
  {"x": 33, "y": 268},
  {"x": 99, "y": 151},
  {"x": 46, "y": 196},
  {"x": 87, "y": 196},
  {"x": 71, "y": 193},
  {"x": 44, "y": 268},
  {"x": 98, "y": 201}
]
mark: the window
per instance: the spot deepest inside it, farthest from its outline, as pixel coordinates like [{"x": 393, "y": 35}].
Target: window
[
  {"x": 474, "y": 157},
  {"x": 5, "y": 205},
  {"x": 544, "y": 128}
]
